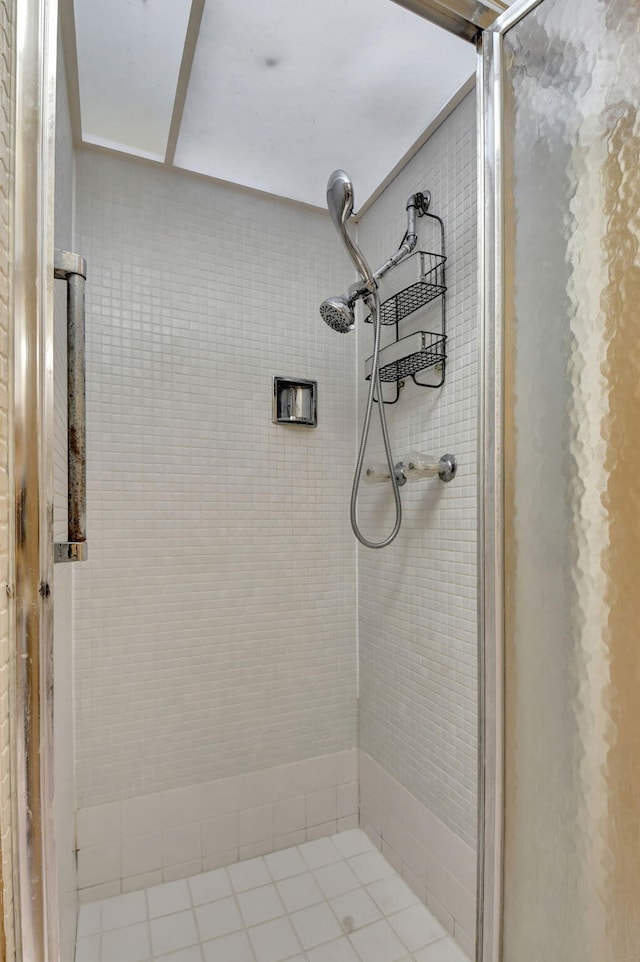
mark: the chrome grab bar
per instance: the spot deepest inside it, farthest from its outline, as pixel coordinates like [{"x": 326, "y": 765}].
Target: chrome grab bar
[{"x": 73, "y": 269}]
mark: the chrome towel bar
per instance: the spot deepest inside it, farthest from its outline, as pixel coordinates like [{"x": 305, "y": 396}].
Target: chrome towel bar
[{"x": 73, "y": 269}]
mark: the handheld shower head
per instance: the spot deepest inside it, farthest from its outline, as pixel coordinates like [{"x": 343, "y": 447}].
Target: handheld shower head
[
  {"x": 340, "y": 198},
  {"x": 340, "y": 204},
  {"x": 337, "y": 312}
]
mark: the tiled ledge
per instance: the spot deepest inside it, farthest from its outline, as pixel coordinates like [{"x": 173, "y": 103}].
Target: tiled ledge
[
  {"x": 433, "y": 860},
  {"x": 129, "y": 845}
]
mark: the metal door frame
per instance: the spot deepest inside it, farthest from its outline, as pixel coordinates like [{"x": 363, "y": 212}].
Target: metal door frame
[{"x": 32, "y": 456}]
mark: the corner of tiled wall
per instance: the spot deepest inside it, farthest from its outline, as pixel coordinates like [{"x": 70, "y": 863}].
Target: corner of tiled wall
[{"x": 136, "y": 842}]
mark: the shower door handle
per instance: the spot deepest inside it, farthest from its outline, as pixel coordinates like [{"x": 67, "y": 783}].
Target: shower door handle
[{"x": 73, "y": 269}]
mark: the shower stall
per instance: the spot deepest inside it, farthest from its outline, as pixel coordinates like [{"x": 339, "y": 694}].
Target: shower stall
[{"x": 234, "y": 732}]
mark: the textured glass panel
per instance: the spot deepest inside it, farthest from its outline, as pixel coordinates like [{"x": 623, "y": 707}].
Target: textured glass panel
[{"x": 572, "y": 483}]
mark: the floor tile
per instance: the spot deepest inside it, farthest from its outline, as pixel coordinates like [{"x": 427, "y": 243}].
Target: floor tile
[
  {"x": 416, "y": 927},
  {"x": 320, "y": 852},
  {"x": 130, "y": 944},
  {"x": 352, "y": 842},
  {"x": 445, "y": 950},
  {"x": 249, "y": 875},
  {"x": 173, "y": 932},
  {"x": 274, "y": 941},
  {"x": 391, "y": 894},
  {"x": 336, "y": 879},
  {"x": 299, "y": 892},
  {"x": 365, "y": 914},
  {"x": 370, "y": 866},
  {"x": 218, "y": 918},
  {"x": 168, "y": 898},
  {"x": 210, "y": 886},
  {"x": 260, "y": 905},
  {"x": 338, "y": 951},
  {"x": 123, "y": 910},
  {"x": 355, "y": 909},
  {"x": 286, "y": 863},
  {"x": 378, "y": 943},
  {"x": 88, "y": 949},
  {"x": 315, "y": 925},
  {"x": 230, "y": 948}
]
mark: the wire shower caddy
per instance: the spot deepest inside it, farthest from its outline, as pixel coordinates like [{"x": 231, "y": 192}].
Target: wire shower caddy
[{"x": 408, "y": 356}]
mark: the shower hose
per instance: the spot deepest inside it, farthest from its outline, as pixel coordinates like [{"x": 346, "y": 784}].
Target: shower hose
[{"x": 373, "y": 303}]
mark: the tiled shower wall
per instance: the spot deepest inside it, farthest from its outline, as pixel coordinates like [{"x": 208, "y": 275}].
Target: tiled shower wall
[
  {"x": 215, "y": 619},
  {"x": 417, "y": 598}
]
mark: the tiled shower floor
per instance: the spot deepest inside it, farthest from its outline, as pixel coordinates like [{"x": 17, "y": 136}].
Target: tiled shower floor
[{"x": 331, "y": 900}]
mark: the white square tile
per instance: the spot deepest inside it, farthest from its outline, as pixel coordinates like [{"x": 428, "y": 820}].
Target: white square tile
[
  {"x": 352, "y": 842},
  {"x": 255, "y": 850},
  {"x": 98, "y": 864},
  {"x": 181, "y": 844},
  {"x": 260, "y": 905},
  {"x": 168, "y": 899},
  {"x": 185, "y": 870},
  {"x": 416, "y": 926},
  {"x": 319, "y": 852},
  {"x": 347, "y": 797},
  {"x": 123, "y": 910},
  {"x": 249, "y": 875},
  {"x": 285, "y": 864},
  {"x": 315, "y": 925},
  {"x": 355, "y": 909},
  {"x": 89, "y": 918},
  {"x": 370, "y": 867},
  {"x": 324, "y": 830},
  {"x": 289, "y": 815},
  {"x": 346, "y": 766},
  {"x": 98, "y": 824},
  {"x": 136, "y": 883},
  {"x": 88, "y": 949},
  {"x": 173, "y": 932},
  {"x": 299, "y": 892},
  {"x": 336, "y": 879},
  {"x": 218, "y": 918},
  {"x": 141, "y": 853},
  {"x": 219, "y": 834},
  {"x": 223, "y": 859},
  {"x": 230, "y": 948},
  {"x": 339, "y": 951},
  {"x": 445, "y": 950},
  {"x": 391, "y": 894},
  {"x": 210, "y": 886},
  {"x": 130, "y": 944},
  {"x": 274, "y": 941},
  {"x": 192, "y": 954},
  {"x": 255, "y": 825},
  {"x": 141, "y": 815},
  {"x": 182, "y": 806},
  {"x": 321, "y": 807},
  {"x": 378, "y": 943}
]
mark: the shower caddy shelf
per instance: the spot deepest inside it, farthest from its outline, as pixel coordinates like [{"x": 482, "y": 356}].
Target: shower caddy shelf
[{"x": 423, "y": 349}]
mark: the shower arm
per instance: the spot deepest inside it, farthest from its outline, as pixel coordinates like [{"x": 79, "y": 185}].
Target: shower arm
[{"x": 415, "y": 206}]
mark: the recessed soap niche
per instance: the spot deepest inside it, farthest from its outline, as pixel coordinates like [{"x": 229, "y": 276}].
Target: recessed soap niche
[{"x": 295, "y": 401}]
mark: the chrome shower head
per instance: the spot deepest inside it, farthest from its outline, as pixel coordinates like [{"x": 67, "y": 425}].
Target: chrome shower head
[
  {"x": 340, "y": 198},
  {"x": 340, "y": 204},
  {"x": 337, "y": 312}
]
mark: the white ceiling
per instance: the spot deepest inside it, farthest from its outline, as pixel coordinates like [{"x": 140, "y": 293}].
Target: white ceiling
[{"x": 280, "y": 93}]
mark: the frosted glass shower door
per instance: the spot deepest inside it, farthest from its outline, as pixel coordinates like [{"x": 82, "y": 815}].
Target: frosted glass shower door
[{"x": 562, "y": 196}]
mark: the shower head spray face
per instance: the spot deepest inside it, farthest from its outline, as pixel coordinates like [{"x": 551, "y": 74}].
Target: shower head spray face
[{"x": 337, "y": 312}]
